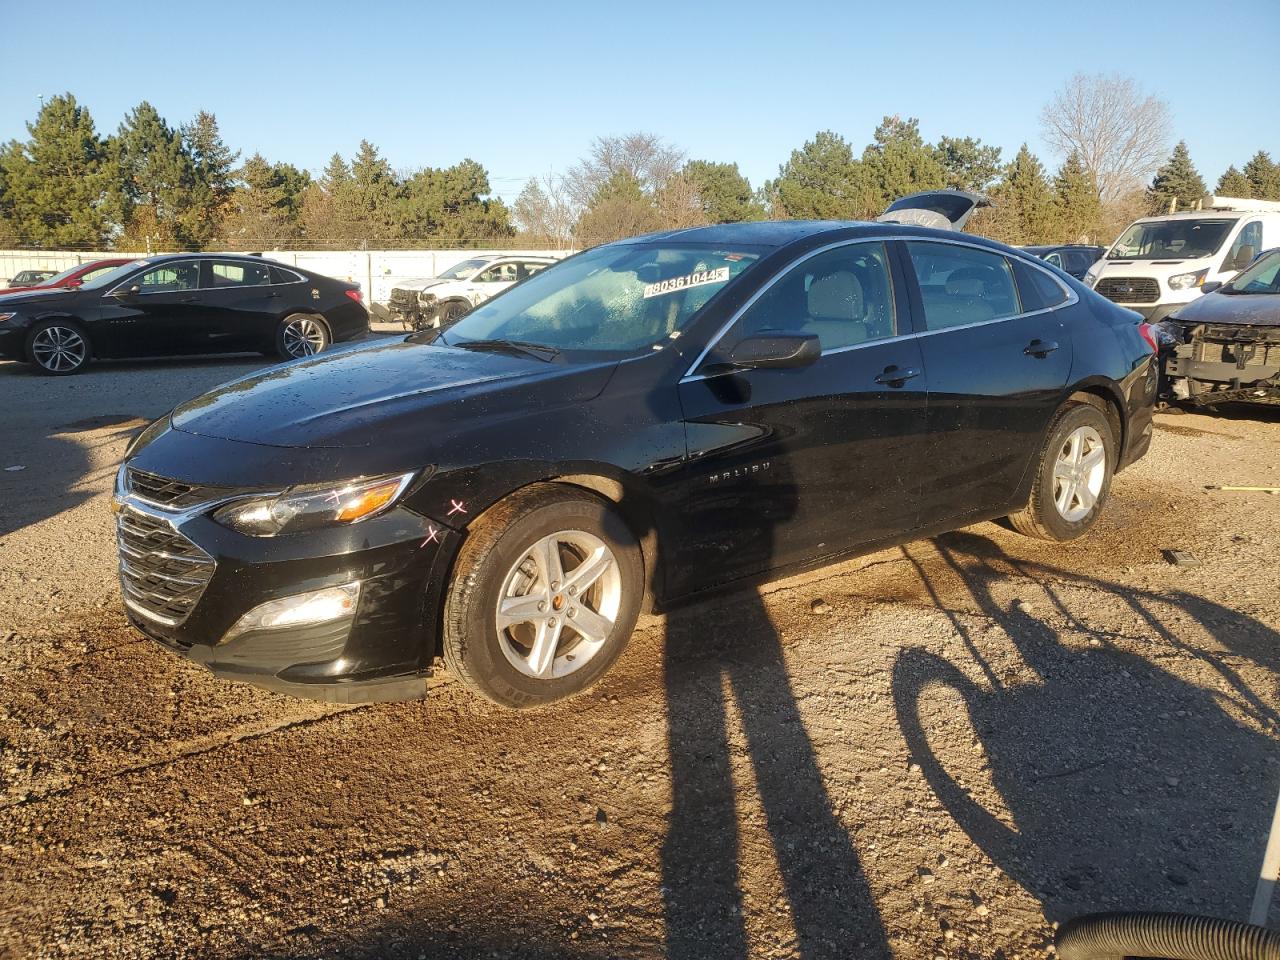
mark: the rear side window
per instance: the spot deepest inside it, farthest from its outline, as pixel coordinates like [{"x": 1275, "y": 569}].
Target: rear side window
[
  {"x": 237, "y": 273},
  {"x": 1037, "y": 290},
  {"x": 962, "y": 285}
]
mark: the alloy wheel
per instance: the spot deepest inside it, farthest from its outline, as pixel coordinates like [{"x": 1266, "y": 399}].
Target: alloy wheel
[
  {"x": 1078, "y": 473},
  {"x": 558, "y": 604},
  {"x": 304, "y": 337},
  {"x": 59, "y": 349}
]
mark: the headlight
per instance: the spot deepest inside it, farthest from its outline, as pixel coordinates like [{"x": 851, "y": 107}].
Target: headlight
[
  {"x": 425, "y": 297},
  {"x": 311, "y": 507},
  {"x": 1185, "y": 281}
]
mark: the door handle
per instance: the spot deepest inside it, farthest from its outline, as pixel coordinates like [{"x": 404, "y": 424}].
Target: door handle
[
  {"x": 1040, "y": 348},
  {"x": 895, "y": 376},
  {"x": 188, "y": 299}
]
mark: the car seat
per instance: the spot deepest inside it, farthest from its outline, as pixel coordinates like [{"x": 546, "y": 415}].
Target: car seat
[{"x": 835, "y": 308}]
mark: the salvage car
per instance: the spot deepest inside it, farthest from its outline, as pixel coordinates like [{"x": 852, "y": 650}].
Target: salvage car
[
  {"x": 181, "y": 304},
  {"x": 642, "y": 422},
  {"x": 442, "y": 300},
  {"x": 70, "y": 278},
  {"x": 1226, "y": 345}
]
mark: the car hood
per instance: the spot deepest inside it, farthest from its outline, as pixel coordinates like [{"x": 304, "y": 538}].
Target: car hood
[
  {"x": 421, "y": 284},
  {"x": 9, "y": 295},
  {"x": 355, "y": 398},
  {"x": 1256, "y": 309}
]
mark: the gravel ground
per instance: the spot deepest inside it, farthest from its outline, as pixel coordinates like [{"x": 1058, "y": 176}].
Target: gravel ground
[{"x": 933, "y": 751}]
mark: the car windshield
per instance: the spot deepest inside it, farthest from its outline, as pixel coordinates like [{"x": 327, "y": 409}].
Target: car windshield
[
  {"x": 1171, "y": 240},
  {"x": 113, "y": 276},
  {"x": 615, "y": 298},
  {"x": 1262, "y": 277},
  {"x": 460, "y": 271}
]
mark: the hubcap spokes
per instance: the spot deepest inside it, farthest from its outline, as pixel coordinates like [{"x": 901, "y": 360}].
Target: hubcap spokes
[
  {"x": 302, "y": 338},
  {"x": 558, "y": 604},
  {"x": 58, "y": 349},
  {"x": 1078, "y": 472}
]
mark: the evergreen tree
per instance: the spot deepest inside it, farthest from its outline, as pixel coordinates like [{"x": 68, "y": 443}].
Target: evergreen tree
[
  {"x": 821, "y": 181},
  {"x": 1177, "y": 181},
  {"x": 214, "y": 164},
  {"x": 336, "y": 173},
  {"x": 260, "y": 207},
  {"x": 724, "y": 193},
  {"x": 57, "y": 184},
  {"x": 1233, "y": 183},
  {"x": 967, "y": 163},
  {"x": 162, "y": 199},
  {"x": 899, "y": 162},
  {"x": 1078, "y": 208},
  {"x": 619, "y": 208},
  {"x": 368, "y": 200},
  {"x": 1025, "y": 203},
  {"x": 452, "y": 202},
  {"x": 1263, "y": 176}
]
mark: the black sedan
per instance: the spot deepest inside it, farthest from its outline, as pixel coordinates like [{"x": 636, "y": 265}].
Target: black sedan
[
  {"x": 181, "y": 304},
  {"x": 640, "y": 422}
]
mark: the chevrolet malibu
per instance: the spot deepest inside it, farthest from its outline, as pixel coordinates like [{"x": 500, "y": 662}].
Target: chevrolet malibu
[{"x": 639, "y": 423}]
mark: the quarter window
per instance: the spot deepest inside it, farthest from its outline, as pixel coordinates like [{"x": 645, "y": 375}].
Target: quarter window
[
  {"x": 843, "y": 296},
  {"x": 237, "y": 273},
  {"x": 171, "y": 277},
  {"x": 1036, "y": 289},
  {"x": 961, "y": 285}
]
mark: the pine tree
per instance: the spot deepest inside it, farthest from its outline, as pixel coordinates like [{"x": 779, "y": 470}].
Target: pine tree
[
  {"x": 368, "y": 201},
  {"x": 451, "y": 202},
  {"x": 162, "y": 199},
  {"x": 967, "y": 163},
  {"x": 1233, "y": 183},
  {"x": 1025, "y": 204},
  {"x": 260, "y": 207},
  {"x": 899, "y": 162},
  {"x": 1177, "y": 182},
  {"x": 1263, "y": 176},
  {"x": 58, "y": 182},
  {"x": 336, "y": 173},
  {"x": 1078, "y": 207},
  {"x": 723, "y": 192},
  {"x": 214, "y": 164},
  {"x": 822, "y": 180}
]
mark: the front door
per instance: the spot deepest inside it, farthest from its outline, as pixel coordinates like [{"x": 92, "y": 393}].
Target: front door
[
  {"x": 998, "y": 354},
  {"x": 164, "y": 316},
  {"x": 789, "y": 465}
]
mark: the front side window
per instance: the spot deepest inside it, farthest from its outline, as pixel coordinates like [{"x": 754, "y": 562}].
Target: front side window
[
  {"x": 961, "y": 285},
  {"x": 613, "y": 299},
  {"x": 498, "y": 273},
  {"x": 1247, "y": 246},
  {"x": 171, "y": 277},
  {"x": 237, "y": 273},
  {"x": 1171, "y": 240},
  {"x": 1262, "y": 277},
  {"x": 843, "y": 297}
]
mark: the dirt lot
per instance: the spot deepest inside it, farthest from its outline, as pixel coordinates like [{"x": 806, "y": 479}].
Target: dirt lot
[{"x": 933, "y": 751}]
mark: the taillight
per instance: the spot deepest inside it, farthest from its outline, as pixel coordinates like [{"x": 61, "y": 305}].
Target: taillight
[
  {"x": 354, "y": 295},
  {"x": 1149, "y": 334}
]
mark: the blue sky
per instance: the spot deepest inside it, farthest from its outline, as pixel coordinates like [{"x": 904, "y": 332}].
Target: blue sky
[{"x": 523, "y": 87}]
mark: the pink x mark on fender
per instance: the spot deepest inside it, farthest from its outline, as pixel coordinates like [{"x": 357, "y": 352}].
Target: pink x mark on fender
[{"x": 455, "y": 507}]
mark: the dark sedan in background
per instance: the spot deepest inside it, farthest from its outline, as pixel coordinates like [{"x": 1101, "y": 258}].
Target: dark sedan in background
[
  {"x": 1073, "y": 258},
  {"x": 181, "y": 304},
  {"x": 647, "y": 419},
  {"x": 1225, "y": 345}
]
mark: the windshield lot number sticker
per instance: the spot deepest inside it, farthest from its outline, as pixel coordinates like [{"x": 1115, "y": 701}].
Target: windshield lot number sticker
[{"x": 699, "y": 279}]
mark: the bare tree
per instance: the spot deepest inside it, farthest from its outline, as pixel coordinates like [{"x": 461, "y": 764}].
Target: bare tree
[
  {"x": 1120, "y": 133},
  {"x": 546, "y": 212},
  {"x": 644, "y": 157}
]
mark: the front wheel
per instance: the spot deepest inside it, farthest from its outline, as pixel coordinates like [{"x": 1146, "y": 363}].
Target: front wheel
[
  {"x": 1074, "y": 476},
  {"x": 452, "y": 312},
  {"x": 301, "y": 335},
  {"x": 58, "y": 347},
  {"x": 544, "y": 596}
]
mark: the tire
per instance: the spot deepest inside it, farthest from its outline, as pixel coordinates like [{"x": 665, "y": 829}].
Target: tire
[
  {"x": 452, "y": 312},
  {"x": 302, "y": 335},
  {"x": 538, "y": 656},
  {"x": 58, "y": 348},
  {"x": 1068, "y": 495}
]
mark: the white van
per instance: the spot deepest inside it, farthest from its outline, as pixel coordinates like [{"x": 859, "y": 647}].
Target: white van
[{"x": 1160, "y": 263}]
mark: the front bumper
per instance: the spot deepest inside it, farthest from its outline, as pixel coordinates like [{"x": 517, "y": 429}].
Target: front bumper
[{"x": 383, "y": 652}]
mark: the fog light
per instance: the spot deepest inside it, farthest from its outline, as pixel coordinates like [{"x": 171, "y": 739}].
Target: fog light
[{"x": 318, "y": 606}]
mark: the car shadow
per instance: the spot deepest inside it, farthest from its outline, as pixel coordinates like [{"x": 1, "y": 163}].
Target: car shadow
[{"x": 1104, "y": 780}]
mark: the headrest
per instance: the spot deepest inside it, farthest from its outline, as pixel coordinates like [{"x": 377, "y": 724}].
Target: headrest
[{"x": 836, "y": 296}]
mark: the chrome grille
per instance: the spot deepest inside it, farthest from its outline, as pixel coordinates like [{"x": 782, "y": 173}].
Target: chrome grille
[
  {"x": 171, "y": 494},
  {"x": 162, "y": 573},
  {"x": 1129, "y": 289}
]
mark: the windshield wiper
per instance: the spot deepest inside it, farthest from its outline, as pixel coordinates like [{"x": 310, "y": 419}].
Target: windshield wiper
[{"x": 539, "y": 351}]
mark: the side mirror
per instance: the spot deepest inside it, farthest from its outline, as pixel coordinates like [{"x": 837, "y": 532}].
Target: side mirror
[
  {"x": 121, "y": 293},
  {"x": 776, "y": 351},
  {"x": 1211, "y": 286}
]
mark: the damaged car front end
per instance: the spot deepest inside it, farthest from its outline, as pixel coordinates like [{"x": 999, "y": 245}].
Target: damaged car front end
[{"x": 1225, "y": 347}]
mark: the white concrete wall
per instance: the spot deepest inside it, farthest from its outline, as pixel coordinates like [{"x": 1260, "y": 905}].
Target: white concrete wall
[{"x": 377, "y": 271}]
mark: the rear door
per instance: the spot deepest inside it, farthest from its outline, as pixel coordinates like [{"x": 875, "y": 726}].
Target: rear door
[
  {"x": 242, "y": 305},
  {"x": 788, "y": 465},
  {"x": 998, "y": 354}
]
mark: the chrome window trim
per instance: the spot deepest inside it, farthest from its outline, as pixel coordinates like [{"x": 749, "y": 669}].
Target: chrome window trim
[
  {"x": 201, "y": 260},
  {"x": 1072, "y": 299}
]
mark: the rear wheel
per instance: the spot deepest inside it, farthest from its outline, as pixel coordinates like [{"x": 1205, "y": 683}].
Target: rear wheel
[
  {"x": 58, "y": 347},
  {"x": 544, "y": 596},
  {"x": 301, "y": 335},
  {"x": 1073, "y": 480}
]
